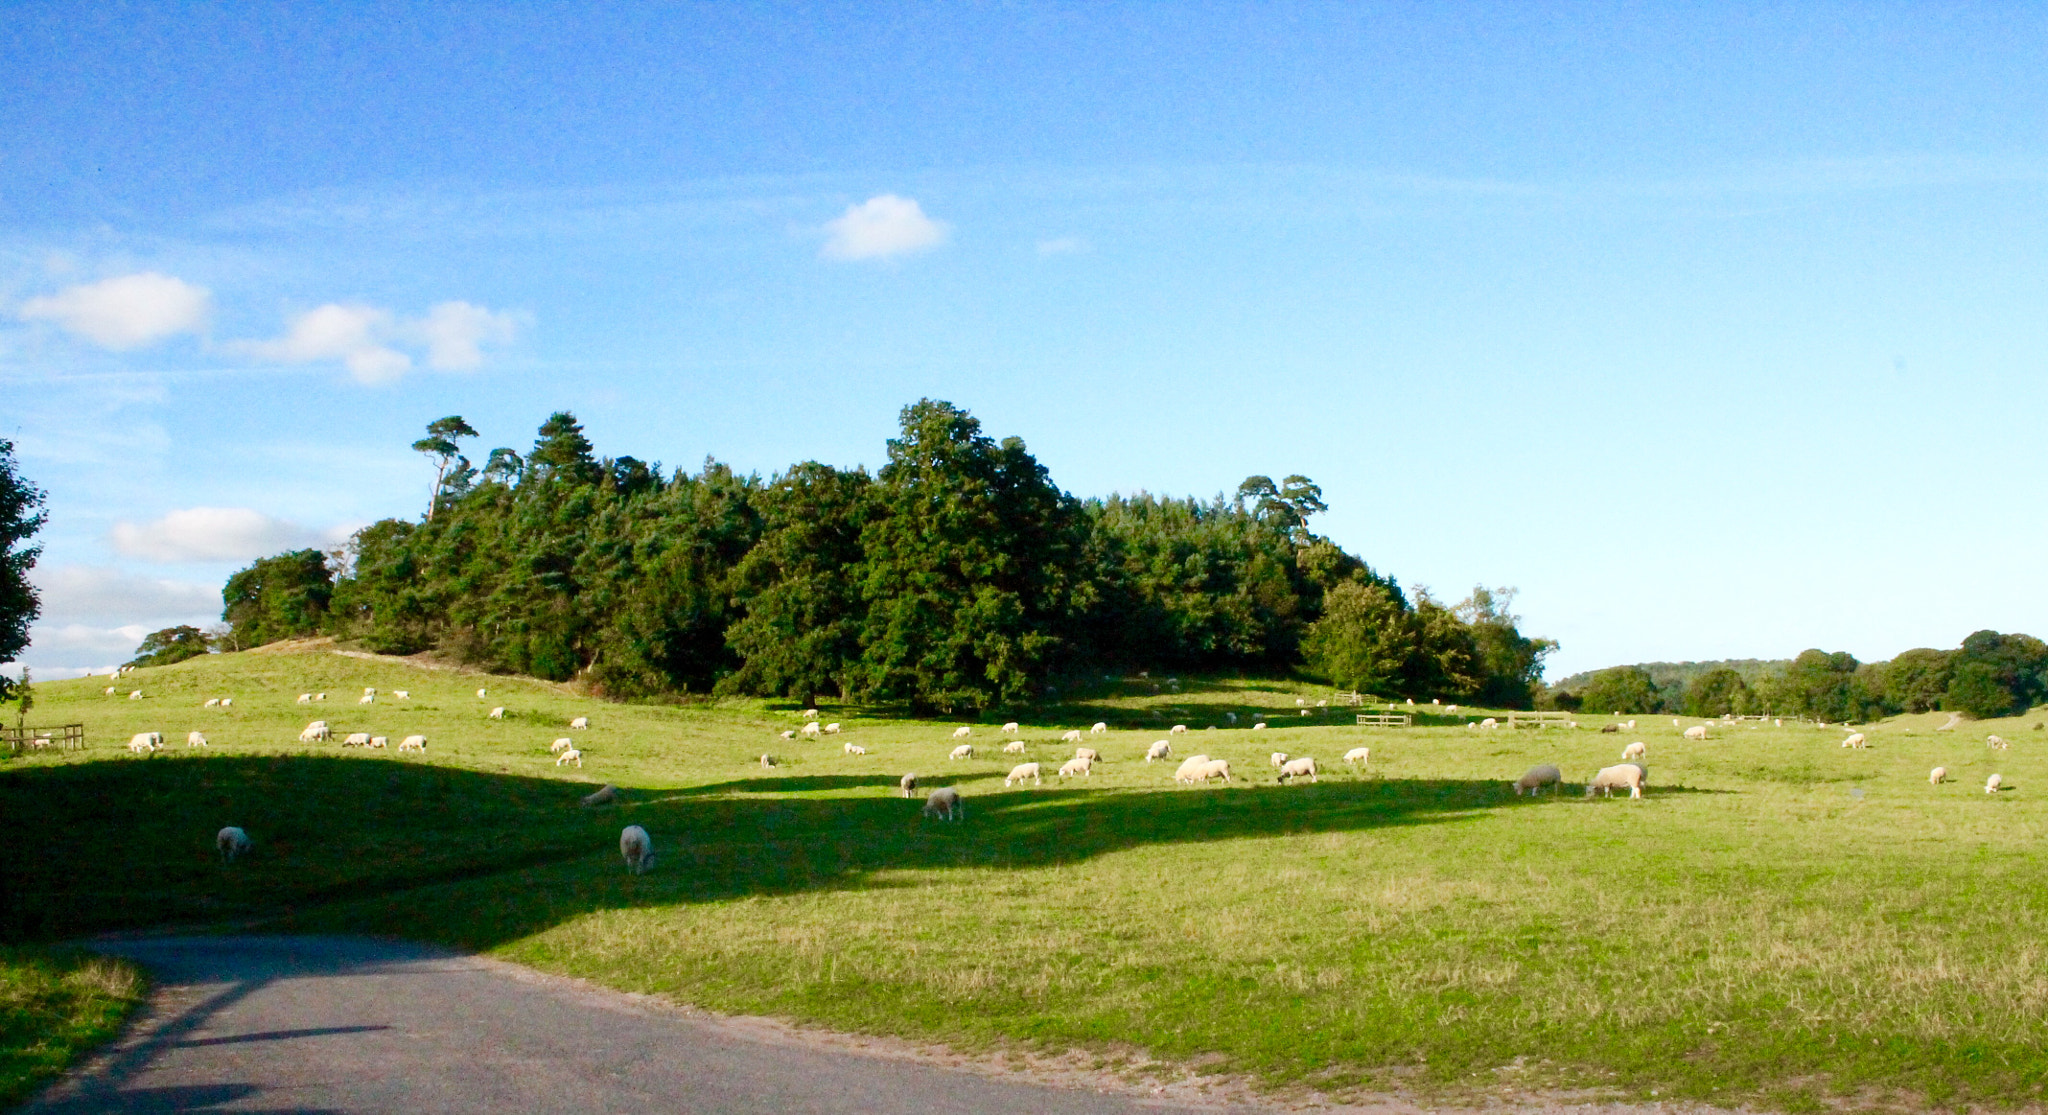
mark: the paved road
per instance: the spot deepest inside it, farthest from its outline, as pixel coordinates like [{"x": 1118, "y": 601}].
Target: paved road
[{"x": 335, "y": 1024}]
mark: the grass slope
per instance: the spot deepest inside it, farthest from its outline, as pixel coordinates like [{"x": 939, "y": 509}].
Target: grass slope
[
  {"x": 1780, "y": 921},
  {"x": 54, "y": 1005}
]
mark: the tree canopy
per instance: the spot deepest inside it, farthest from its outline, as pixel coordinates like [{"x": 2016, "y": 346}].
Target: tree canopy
[{"x": 21, "y": 516}]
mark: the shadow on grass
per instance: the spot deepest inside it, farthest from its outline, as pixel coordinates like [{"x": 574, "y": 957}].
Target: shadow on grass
[{"x": 474, "y": 858}]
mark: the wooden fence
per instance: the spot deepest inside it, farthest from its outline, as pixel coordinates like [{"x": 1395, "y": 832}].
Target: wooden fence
[
  {"x": 1539, "y": 720},
  {"x": 1385, "y": 719},
  {"x": 64, "y": 737}
]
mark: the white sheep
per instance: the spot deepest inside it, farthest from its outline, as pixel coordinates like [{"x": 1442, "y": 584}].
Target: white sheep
[
  {"x": 767, "y": 761},
  {"x": 1937, "y": 776},
  {"x": 1631, "y": 725},
  {"x": 212, "y": 702},
  {"x": 369, "y": 690},
  {"x": 832, "y": 729},
  {"x": 810, "y": 714},
  {"x": 109, "y": 692},
  {"x": 378, "y": 742},
  {"x": 789, "y": 734},
  {"x": 1697, "y": 731},
  {"x": 1077, "y": 766},
  {"x": 1636, "y": 750},
  {"x": 1532, "y": 783},
  {"x": 367, "y": 699},
  {"x": 1010, "y": 728},
  {"x": 962, "y": 732},
  {"x": 482, "y": 693},
  {"x": 1072, "y": 737},
  {"x": 1452, "y": 709},
  {"x": 964, "y": 751},
  {"x": 1489, "y": 723},
  {"x": 305, "y": 698},
  {"x": 1188, "y": 764},
  {"x": 1232, "y": 717},
  {"x": 637, "y": 848},
  {"x": 1610, "y": 779},
  {"x": 1177, "y": 730},
  {"x": 319, "y": 696},
  {"x": 1205, "y": 770},
  {"x": 855, "y": 749},
  {"x": 497, "y": 713},
  {"x": 944, "y": 803},
  {"x": 1359, "y": 755},
  {"x": 1304, "y": 700},
  {"x": 1020, "y": 772},
  {"x": 1277, "y": 758},
  {"x": 315, "y": 732},
  {"x": 414, "y": 743},
  {"x": 1996, "y": 743},
  {"x": 812, "y": 729},
  {"x": 1088, "y": 753},
  {"x": 356, "y": 739},
  {"x": 1295, "y": 768},
  {"x": 579, "y": 723},
  {"x": 1160, "y": 749},
  {"x": 907, "y": 783},
  {"x": 1014, "y": 747},
  {"x": 1994, "y": 783},
  {"x": 195, "y": 739},
  {"x": 1098, "y": 728},
  {"x": 607, "y": 794},
  {"x": 1778, "y": 723},
  {"x": 561, "y": 745},
  {"x": 142, "y": 743},
  {"x": 232, "y": 842},
  {"x": 1259, "y": 727},
  {"x": 570, "y": 755},
  {"x": 402, "y": 694},
  {"x": 135, "y": 695},
  {"x": 1856, "y": 740}
]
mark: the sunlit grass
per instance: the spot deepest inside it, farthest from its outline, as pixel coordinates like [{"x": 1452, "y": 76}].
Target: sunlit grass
[{"x": 54, "y": 1005}]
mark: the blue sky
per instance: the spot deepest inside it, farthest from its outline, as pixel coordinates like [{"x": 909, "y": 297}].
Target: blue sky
[{"x": 1718, "y": 331}]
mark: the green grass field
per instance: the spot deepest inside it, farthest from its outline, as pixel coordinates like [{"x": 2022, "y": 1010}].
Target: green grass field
[
  {"x": 1779, "y": 922},
  {"x": 54, "y": 1005}
]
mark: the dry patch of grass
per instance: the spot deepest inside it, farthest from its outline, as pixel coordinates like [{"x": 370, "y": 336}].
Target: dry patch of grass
[{"x": 55, "y": 1005}]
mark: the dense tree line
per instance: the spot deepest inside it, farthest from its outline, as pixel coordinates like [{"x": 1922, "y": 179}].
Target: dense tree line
[
  {"x": 1991, "y": 674},
  {"x": 957, "y": 576},
  {"x": 21, "y": 516}
]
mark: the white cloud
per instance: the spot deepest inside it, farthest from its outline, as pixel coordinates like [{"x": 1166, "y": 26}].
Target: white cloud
[
  {"x": 882, "y": 226},
  {"x": 125, "y": 312},
  {"x": 211, "y": 534},
  {"x": 80, "y": 643},
  {"x": 1063, "y": 245},
  {"x": 91, "y": 593},
  {"x": 352, "y": 334},
  {"x": 455, "y": 331}
]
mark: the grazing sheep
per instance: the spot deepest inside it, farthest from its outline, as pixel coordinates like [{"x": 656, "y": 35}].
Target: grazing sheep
[
  {"x": 315, "y": 732},
  {"x": 232, "y": 842},
  {"x": 1277, "y": 758},
  {"x": 1014, "y": 747},
  {"x": 1204, "y": 771},
  {"x": 377, "y": 742},
  {"x": 790, "y": 734},
  {"x": 1631, "y": 775},
  {"x": 356, "y": 739},
  {"x": 1259, "y": 727},
  {"x": 212, "y": 702},
  {"x": 1072, "y": 737},
  {"x": 1077, "y": 766},
  {"x": 109, "y": 692},
  {"x": 1010, "y": 728},
  {"x": 944, "y": 803},
  {"x": 498, "y": 713},
  {"x": 1937, "y": 776},
  {"x": 1177, "y": 730},
  {"x": 135, "y": 695},
  {"x": 1993, "y": 783},
  {"x": 319, "y": 696},
  {"x": 1088, "y": 753},
  {"x": 195, "y": 739},
  {"x": 1778, "y": 723},
  {"x": 141, "y": 743},
  {"x": 1631, "y": 725},
  {"x": 1160, "y": 749},
  {"x": 767, "y": 761},
  {"x": 962, "y": 732},
  {"x": 579, "y": 723},
  {"x": 1532, "y": 783},
  {"x": 810, "y": 714},
  {"x": 1452, "y": 709},
  {"x": 832, "y": 729},
  {"x": 855, "y": 749},
  {"x": 1954, "y": 719},
  {"x": 1636, "y": 750},
  {"x": 907, "y": 783},
  {"x": 1856, "y": 740},
  {"x": 1996, "y": 743},
  {"x": 964, "y": 751},
  {"x": 369, "y": 690},
  {"x": 1609, "y": 729},
  {"x": 416, "y": 743},
  {"x": 608, "y": 795},
  {"x": 1697, "y": 731},
  {"x": 1098, "y": 728},
  {"x": 366, "y": 699},
  {"x": 1020, "y": 772},
  {"x": 1188, "y": 764},
  {"x": 402, "y": 694},
  {"x": 638, "y": 849},
  {"x": 482, "y": 693},
  {"x": 812, "y": 729},
  {"x": 570, "y": 756},
  {"x": 1295, "y": 768},
  {"x": 1359, "y": 755},
  {"x": 561, "y": 745},
  {"x": 1489, "y": 723}
]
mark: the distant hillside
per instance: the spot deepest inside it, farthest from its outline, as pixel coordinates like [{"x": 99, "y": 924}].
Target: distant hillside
[{"x": 1675, "y": 676}]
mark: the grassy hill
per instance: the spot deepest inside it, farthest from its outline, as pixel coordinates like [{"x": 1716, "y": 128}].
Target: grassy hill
[
  {"x": 1780, "y": 921},
  {"x": 1675, "y": 676}
]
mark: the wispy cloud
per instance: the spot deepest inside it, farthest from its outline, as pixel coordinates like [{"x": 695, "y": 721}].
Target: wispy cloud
[
  {"x": 882, "y": 226},
  {"x": 212, "y": 534},
  {"x": 99, "y": 594},
  {"x": 363, "y": 339},
  {"x": 455, "y": 333},
  {"x": 126, "y": 312}
]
